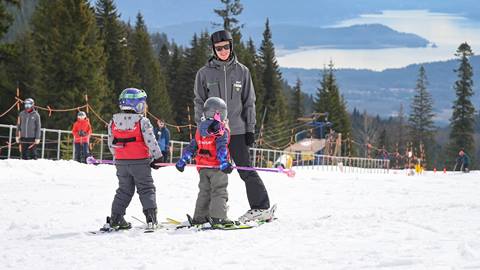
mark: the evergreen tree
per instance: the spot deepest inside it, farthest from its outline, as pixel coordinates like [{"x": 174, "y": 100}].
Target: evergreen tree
[
  {"x": 252, "y": 62},
  {"x": 173, "y": 74},
  {"x": 70, "y": 57},
  {"x": 229, "y": 13},
  {"x": 193, "y": 59},
  {"x": 383, "y": 143},
  {"x": 19, "y": 69},
  {"x": 329, "y": 100},
  {"x": 421, "y": 117},
  {"x": 297, "y": 105},
  {"x": 164, "y": 59},
  {"x": 6, "y": 20},
  {"x": 463, "y": 116},
  {"x": 273, "y": 100},
  {"x": 119, "y": 63},
  {"x": 400, "y": 127},
  {"x": 147, "y": 71}
]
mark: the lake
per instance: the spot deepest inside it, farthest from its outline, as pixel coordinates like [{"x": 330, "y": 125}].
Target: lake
[{"x": 446, "y": 31}]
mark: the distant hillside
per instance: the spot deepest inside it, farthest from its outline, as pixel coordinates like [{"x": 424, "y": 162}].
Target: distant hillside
[
  {"x": 160, "y": 13},
  {"x": 382, "y": 92},
  {"x": 368, "y": 36}
]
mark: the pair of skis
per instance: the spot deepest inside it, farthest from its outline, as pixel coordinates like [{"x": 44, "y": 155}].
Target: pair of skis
[{"x": 189, "y": 225}]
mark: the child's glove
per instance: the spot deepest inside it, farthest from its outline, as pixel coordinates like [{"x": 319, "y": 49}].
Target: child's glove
[
  {"x": 153, "y": 163},
  {"x": 226, "y": 167},
  {"x": 180, "y": 165},
  {"x": 82, "y": 133}
]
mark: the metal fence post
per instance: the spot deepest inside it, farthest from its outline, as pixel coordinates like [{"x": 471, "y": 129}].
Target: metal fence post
[
  {"x": 101, "y": 147},
  {"x": 10, "y": 141},
  {"x": 43, "y": 144},
  {"x": 58, "y": 143}
]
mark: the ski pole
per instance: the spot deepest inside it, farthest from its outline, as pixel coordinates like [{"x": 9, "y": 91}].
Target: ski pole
[
  {"x": 92, "y": 160},
  {"x": 289, "y": 172}
]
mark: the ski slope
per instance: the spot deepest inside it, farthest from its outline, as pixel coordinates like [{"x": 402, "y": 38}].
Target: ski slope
[{"x": 326, "y": 220}]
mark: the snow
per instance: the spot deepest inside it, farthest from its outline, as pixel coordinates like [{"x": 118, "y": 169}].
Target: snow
[{"x": 326, "y": 220}]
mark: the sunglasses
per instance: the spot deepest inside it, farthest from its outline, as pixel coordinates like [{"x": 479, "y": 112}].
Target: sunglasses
[{"x": 224, "y": 47}]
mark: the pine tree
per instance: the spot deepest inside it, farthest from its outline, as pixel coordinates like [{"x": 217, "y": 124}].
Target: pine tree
[
  {"x": 329, "y": 100},
  {"x": 420, "y": 120},
  {"x": 6, "y": 20},
  {"x": 147, "y": 71},
  {"x": 400, "y": 140},
  {"x": 164, "y": 59},
  {"x": 71, "y": 63},
  {"x": 229, "y": 13},
  {"x": 252, "y": 62},
  {"x": 119, "y": 63},
  {"x": 297, "y": 105},
  {"x": 193, "y": 59},
  {"x": 383, "y": 143},
  {"x": 273, "y": 100},
  {"x": 463, "y": 116}
]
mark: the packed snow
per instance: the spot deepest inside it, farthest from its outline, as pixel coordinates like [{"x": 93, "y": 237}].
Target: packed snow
[{"x": 326, "y": 220}]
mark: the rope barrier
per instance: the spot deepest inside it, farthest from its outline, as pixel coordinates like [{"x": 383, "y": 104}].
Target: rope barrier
[
  {"x": 11, "y": 108},
  {"x": 98, "y": 116}
]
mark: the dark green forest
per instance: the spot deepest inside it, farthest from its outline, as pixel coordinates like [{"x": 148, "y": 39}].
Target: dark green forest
[{"x": 77, "y": 54}]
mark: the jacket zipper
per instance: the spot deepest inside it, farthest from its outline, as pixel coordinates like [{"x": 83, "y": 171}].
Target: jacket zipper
[
  {"x": 226, "y": 89},
  {"x": 26, "y": 126}
]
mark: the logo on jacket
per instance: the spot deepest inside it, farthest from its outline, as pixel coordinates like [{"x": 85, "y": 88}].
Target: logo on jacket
[{"x": 237, "y": 86}]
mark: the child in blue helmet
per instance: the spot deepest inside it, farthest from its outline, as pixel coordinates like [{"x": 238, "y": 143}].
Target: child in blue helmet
[{"x": 132, "y": 143}]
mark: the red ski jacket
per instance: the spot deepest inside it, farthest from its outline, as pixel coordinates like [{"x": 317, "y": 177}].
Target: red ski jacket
[{"x": 82, "y": 127}]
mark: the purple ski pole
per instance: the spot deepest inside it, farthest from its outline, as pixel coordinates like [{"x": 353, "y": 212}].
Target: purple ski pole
[
  {"x": 92, "y": 160},
  {"x": 289, "y": 172}
]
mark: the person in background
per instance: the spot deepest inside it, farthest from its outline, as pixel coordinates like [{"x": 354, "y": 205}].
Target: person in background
[
  {"x": 81, "y": 133},
  {"x": 28, "y": 130},
  {"x": 162, "y": 134},
  {"x": 463, "y": 161}
]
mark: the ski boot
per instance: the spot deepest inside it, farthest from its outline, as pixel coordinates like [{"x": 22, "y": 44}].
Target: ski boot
[
  {"x": 117, "y": 222},
  {"x": 221, "y": 223},
  {"x": 151, "y": 216},
  {"x": 197, "y": 220},
  {"x": 259, "y": 215}
]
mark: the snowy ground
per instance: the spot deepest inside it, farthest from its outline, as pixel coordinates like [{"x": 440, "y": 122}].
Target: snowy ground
[{"x": 378, "y": 221}]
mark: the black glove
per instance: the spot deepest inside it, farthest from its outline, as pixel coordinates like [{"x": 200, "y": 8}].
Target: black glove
[
  {"x": 82, "y": 133},
  {"x": 153, "y": 163},
  {"x": 249, "y": 139},
  {"x": 226, "y": 167}
]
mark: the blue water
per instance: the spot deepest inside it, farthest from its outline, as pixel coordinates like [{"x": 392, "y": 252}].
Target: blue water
[{"x": 446, "y": 31}]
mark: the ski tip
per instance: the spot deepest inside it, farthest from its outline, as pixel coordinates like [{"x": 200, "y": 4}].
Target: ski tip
[{"x": 173, "y": 221}]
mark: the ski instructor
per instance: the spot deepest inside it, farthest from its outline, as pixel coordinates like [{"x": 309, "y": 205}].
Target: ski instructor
[{"x": 224, "y": 77}]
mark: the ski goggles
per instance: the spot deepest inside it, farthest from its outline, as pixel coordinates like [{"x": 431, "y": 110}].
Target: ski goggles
[
  {"x": 216, "y": 128},
  {"x": 225, "y": 47}
]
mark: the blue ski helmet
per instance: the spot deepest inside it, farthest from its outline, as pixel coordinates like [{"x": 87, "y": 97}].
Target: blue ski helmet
[{"x": 133, "y": 99}]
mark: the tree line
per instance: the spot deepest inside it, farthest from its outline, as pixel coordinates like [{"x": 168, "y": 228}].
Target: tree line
[{"x": 75, "y": 48}]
